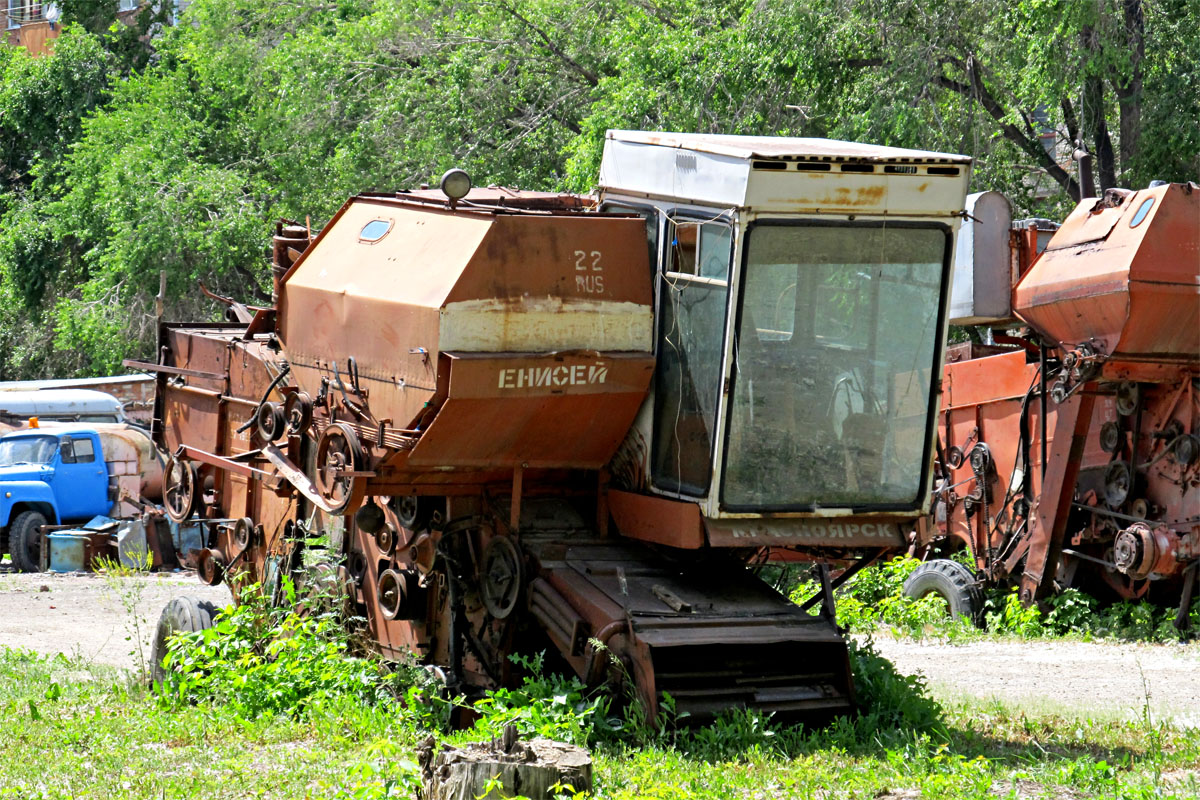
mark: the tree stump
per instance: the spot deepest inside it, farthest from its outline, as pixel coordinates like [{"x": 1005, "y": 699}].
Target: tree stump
[{"x": 503, "y": 768}]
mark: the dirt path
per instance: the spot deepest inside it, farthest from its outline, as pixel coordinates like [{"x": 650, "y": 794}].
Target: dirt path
[
  {"x": 1115, "y": 679},
  {"x": 88, "y": 615}
]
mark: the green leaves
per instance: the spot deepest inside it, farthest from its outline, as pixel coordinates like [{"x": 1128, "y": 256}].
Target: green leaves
[
  {"x": 122, "y": 155},
  {"x": 264, "y": 661}
]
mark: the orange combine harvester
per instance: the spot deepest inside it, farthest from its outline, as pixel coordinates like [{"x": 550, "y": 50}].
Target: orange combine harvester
[
  {"x": 534, "y": 422},
  {"x": 1070, "y": 456}
]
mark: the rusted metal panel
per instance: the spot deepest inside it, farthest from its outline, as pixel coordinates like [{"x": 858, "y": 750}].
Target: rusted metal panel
[
  {"x": 552, "y": 411},
  {"x": 1054, "y": 503},
  {"x": 968, "y": 383},
  {"x": 783, "y": 147},
  {"x": 657, "y": 519},
  {"x": 830, "y": 532},
  {"x": 1125, "y": 272}
]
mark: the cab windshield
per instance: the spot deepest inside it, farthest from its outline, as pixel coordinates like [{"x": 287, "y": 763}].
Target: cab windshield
[
  {"x": 837, "y": 331},
  {"x": 27, "y": 450}
]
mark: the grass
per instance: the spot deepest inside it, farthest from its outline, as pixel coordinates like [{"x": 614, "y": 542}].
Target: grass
[
  {"x": 251, "y": 714},
  {"x": 71, "y": 730}
]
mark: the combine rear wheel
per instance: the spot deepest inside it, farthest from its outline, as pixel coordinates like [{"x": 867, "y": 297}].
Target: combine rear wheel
[
  {"x": 182, "y": 615},
  {"x": 951, "y": 581}
]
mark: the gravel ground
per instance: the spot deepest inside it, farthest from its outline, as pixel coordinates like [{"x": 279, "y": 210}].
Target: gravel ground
[
  {"x": 1076, "y": 678},
  {"x": 98, "y": 618},
  {"x": 91, "y": 616}
]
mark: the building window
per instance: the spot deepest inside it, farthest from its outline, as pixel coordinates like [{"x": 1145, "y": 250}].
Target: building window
[{"x": 22, "y": 12}]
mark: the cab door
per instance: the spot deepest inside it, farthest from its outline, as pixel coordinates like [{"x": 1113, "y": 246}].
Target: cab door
[
  {"x": 80, "y": 482},
  {"x": 693, "y": 299}
]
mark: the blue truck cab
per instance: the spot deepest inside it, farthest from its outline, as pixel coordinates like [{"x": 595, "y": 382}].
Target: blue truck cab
[{"x": 48, "y": 476}]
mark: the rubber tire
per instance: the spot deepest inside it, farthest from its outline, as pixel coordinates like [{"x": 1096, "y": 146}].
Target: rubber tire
[
  {"x": 951, "y": 581},
  {"x": 183, "y": 614},
  {"x": 25, "y": 541}
]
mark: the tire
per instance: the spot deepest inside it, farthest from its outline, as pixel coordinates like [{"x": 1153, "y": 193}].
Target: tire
[
  {"x": 26, "y": 541},
  {"x": 181, "y": 615},
  {"x": 951, "y": 581}
]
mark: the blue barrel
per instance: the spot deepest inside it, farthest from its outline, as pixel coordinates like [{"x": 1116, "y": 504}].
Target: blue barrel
[{"x": 67, "y": 551}]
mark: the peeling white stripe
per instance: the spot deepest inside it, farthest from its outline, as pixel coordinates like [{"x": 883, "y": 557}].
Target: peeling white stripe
[{"x": 544, "y": 324}]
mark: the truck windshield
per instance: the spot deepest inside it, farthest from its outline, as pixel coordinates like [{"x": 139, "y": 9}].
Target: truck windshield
[
  {"x": 27, "y": 450},
  {"x": 837, "y": 332}
]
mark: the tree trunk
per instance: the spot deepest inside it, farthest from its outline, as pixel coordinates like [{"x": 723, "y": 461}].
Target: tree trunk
[
  {"x": 539, "y": 769},
  {"x": 1128, "y": 87},
  {"x": 1095, "y": 128}
]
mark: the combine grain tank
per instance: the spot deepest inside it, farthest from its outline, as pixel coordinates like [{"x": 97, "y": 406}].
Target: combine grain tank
[
  {"x": 1079, "y": 464},
  {"x": 547, "y": 425}
]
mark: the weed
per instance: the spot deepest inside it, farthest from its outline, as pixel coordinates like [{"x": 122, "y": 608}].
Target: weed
[
  {"x": 126, "y": 585},
  {"x": 549, "y": 705},
  {"x": 263, "y": 660}
]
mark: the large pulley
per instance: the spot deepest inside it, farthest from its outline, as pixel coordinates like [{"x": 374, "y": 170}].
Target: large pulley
[
  {"x": 501, "y": 575},
  {"x": 181, "y": 492},
  {"x": 339, "y": 460}
]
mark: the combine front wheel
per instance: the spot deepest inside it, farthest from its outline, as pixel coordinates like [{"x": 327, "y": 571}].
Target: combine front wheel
[
  {"x": 951, "y": 581},
  {"x": 182, "y": 615}
]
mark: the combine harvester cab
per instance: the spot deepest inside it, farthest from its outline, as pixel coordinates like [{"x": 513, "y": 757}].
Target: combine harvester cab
[
  {"x": 538, "y": 422},
  {"x": 1070, "y": 454}
]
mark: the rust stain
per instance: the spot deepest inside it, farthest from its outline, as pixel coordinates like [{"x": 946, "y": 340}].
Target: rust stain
[{"x": 862, "y": 196}]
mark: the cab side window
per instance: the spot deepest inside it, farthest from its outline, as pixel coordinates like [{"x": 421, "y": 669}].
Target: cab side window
[
  {"x": 651, "y": 218},
  {"x": 83, "y": 451}
]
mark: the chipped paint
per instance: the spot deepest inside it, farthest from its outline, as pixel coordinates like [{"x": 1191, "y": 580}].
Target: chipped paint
[{"x": 543, "y": 324}]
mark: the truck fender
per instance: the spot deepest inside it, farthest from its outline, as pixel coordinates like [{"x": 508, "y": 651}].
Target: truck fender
[{"x": 20, "y": 495}]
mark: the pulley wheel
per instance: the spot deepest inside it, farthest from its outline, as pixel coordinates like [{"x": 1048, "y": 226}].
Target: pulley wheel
[
  {"x": 385, "y": 539},
  {"x": 1128, "y": 394},
  {"x": 339, "y": 452},
  {"x": 243, "y": 533},
  {"x": 500, "y": 576},
  {"x": 1139, "y": 508},
  {"x": 211, "y": 568},
  {"x": 1118, "y": 483},
  {"x": 955, "y": 457},
  {"x": 392, "y": 590},
  {"x": 298, "y": 410},
  {"x": 1187, "y": 449},
  {"x": 981, "y": 457},
  {"x": 181, "y": 493},
  {"x": 413, "y": 512},
  {"x": 1110, "y": 437},
  {"x": 270, "y": 421}
]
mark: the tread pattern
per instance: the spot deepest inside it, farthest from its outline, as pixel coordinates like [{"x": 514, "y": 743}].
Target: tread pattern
[
  {"x": 952, "y": 581},
  {"x": 183, "y": 614},
  {"x": 23, "y": 538}
]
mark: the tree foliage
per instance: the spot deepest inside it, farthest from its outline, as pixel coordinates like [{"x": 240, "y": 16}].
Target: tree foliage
[{"x": 132, "y": 150}]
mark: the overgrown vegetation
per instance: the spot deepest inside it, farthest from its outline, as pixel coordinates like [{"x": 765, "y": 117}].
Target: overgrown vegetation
[
  {"x": 274, "y": 703},
  {"x": 130, "y": 151},
  {"x": 874, "y": 600}
]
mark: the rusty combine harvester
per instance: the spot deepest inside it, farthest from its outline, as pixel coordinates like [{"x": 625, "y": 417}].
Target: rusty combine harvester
[
  {"x": 552, "y": 423},
  {"x": 1072, "y": 458}
]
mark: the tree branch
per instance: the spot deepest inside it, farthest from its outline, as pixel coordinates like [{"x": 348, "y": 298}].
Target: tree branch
[
  {"x": 591, "y": 77},
  {"x": 975, "y": 89}
]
